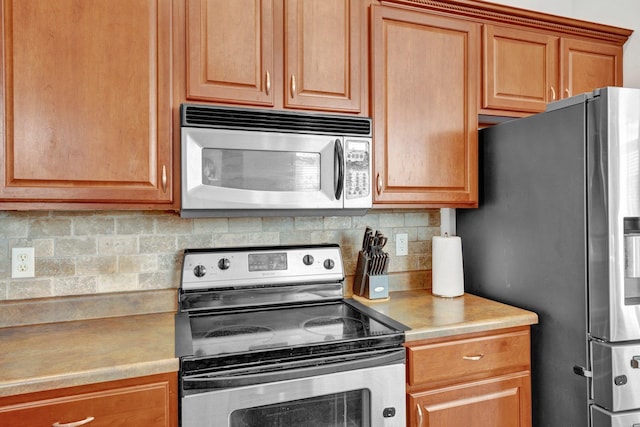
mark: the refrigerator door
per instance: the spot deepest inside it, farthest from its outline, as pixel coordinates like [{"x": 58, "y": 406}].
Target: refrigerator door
[
  {"x": 527, "y": 246},
  {"x": 616, "y": 375},
  {"x": 614, "y": 214}
]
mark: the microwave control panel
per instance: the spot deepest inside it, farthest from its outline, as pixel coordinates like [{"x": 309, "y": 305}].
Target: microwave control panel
[{"x": 358, "y": 169}]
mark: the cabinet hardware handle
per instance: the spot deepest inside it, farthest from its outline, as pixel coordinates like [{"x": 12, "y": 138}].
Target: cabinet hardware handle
[
  {"x": 293, "y": 86},
  {"x": 553, "y": 94},
  {"x": 568, "y": 92},
  {"x": 379, "y": 184},
  {"x": 268, "y": 82},
  {"x": 73, "y": 424},
  {"x": 475, "y": 357},
  {"x": 419, "y": 415},
  {"x": 164, "y": 178}
]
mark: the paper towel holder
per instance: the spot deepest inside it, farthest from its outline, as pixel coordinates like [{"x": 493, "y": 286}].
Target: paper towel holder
[{"x": 447, "y": 267}]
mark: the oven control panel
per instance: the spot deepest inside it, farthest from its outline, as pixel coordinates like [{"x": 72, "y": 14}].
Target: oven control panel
[{"x": 234, "y": 267}]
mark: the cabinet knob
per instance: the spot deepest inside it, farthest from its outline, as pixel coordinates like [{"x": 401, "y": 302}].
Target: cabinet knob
[
  {"x": 268, "y": 82},
  {"x": 74, "y": 423},
  {"x": 293, "y": 86}
]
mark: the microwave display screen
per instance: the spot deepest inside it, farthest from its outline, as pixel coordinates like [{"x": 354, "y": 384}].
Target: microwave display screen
[{"x": 261, "y": 170}]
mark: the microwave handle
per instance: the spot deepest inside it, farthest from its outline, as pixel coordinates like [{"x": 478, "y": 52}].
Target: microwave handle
[{"x": 338, "y": 174}]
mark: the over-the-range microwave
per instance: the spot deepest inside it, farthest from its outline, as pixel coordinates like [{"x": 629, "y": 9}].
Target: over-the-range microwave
[{"x": 253, "y": 162}]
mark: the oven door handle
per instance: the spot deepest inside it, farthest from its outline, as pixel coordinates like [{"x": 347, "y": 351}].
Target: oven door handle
[{"x": 289, "y": 371}]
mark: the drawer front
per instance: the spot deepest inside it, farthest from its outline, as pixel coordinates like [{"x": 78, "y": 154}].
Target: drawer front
[
  {"x": 473, "y": 357},
  {"x": 144, "y": 405}
]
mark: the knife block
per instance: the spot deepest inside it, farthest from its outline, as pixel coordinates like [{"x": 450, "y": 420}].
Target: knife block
[{"x": 368, "y": 285}]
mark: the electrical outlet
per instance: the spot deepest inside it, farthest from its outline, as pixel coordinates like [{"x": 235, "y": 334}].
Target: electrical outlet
[
  {"x": 402, "y": 244},
  {"x": 23, "y": 263}
]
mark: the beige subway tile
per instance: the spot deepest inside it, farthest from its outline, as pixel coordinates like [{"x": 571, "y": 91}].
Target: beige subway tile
[
  {"x": 170, "y": 262},
  {"x": 337, "y": 222},
  {"x": 417, "y": 219},
  {"x": 309, "y": 223},
  {"x": 93, "y": 225},
  {"x": 172, "y": 224},
  {"x": 137, "y": 263},
  {"x": 55, "y": 267},
  {"x": 43, "y": 247},
  {"x": 14, "y": 228},
  {"x": 159, "y": 280},
  {"x": 29, "y": 288},
  {"x": 118, "y": 282},
  {"x": 96, "y": 265},
  {"x": 195, "y": 241},
  {"x": 245, "y": 225},
  {"x": 3, "y": 290},
  {"x": 278, "y": 223},
  {"x": 392, "y": 220},
  {"x": 156, "y": 244},
  {"x": 210, "y": 225},
  {"x": 295, "y": 238},
  {"x": 134, "y": 225},
  {"x": 49, "y": 227},
  {"x": 75, "y": 246},
  {"x": 117, "y": 245},
  {"x": 77, "y": 285}
]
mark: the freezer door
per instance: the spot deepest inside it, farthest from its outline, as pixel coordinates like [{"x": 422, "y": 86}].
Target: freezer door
[
  {"x": 616, "y": 376},
  {"x": 603, "y": 418}
]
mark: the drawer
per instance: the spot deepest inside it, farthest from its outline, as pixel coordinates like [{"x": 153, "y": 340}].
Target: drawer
[
  {"x": 473, "y": 357},
  {"x": 134, "y": 405}
]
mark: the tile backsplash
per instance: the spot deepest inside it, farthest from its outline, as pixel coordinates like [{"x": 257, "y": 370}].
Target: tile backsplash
[{"x": 85, "y": 253}]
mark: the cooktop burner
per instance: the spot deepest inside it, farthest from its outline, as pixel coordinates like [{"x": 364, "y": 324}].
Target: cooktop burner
[{"x": 330, "y": 326}]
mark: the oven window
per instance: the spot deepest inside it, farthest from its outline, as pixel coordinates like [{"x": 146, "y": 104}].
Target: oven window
[
  {"x": 261, "y": 170},
  {"x": 346, "y": 409}
]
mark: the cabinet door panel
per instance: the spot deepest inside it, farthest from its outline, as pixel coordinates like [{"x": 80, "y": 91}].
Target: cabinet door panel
[
  {"x": 86, "y": 110},
  {"x": 588, "y": 65},
  {"x": 498, "y": 402},
  {"x": 520, "y": 71},
  {"x": 424, "y": 102},
  {"x": 323, "y": 54},
  {"x": 230, "y": 51}
]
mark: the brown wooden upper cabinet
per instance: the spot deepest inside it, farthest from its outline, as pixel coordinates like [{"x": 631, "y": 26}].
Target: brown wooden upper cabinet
[
  {"x": 424, "y": 101},
  {"x": 303, "y": 54},
  {"x": 85, "y": 104},
  {"x": 524, "y": 70}
]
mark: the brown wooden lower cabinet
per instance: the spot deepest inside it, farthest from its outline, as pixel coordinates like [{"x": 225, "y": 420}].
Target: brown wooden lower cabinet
[
  {"x": 473, "y": 380},
  {"x": 143, "y": 401}
]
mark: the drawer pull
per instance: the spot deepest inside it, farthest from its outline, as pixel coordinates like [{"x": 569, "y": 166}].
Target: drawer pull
[
  {"x": 73, "y": 424},
  {"x": 476, "y": 357}
]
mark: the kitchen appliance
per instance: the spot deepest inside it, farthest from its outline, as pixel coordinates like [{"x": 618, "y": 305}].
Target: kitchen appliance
[
  {"x": 265, "y": 338},
  {"x": 557, "y": 233},
  {"x": 252, "y": 162}
]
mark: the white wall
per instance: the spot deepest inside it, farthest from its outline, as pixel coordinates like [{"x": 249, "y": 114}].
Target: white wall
[{"x": 619, "y": 13}]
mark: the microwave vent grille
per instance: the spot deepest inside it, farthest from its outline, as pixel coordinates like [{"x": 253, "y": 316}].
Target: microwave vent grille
[{"x": 273, "y": 121}]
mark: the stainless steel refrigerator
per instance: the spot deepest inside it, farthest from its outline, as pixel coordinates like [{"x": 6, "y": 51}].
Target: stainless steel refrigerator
[{"x": 557, "y": 232}]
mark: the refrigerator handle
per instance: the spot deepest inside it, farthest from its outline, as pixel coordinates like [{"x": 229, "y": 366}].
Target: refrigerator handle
[{"x": 582, "y": 371}]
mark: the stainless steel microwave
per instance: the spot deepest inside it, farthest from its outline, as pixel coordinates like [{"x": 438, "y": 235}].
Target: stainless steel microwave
[{"x": 252, "y": 162}]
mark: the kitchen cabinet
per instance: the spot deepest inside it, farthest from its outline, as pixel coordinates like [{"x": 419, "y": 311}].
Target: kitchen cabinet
[
  {"x": 85, "y": 105},
  {"x": 302, "y": 54},
  {"x": 474, "y": 379},
  {"x": 424, "y": 103},
  {"x": 145, "y": 401},
  {"x": 524, "y": 70}
]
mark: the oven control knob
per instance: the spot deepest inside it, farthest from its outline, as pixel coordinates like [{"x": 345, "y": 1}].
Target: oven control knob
[
  {"x": 199, "y": 270},
  {"x": 329, "y": 264},
  {"x": 224, "y": 263},
  {"x": 307, "y": 260}
]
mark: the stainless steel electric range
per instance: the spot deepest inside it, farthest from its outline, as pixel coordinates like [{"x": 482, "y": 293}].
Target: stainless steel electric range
[{"x": 265, "y": 338}]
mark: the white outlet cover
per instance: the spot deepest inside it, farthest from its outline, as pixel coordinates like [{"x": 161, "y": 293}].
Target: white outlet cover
[
  {"x": 22, "y": 263},
  {"x": 402, "y": 244}
]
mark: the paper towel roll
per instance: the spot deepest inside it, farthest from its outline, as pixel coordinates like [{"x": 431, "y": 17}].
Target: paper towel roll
[{"x": 446, "y": 266}]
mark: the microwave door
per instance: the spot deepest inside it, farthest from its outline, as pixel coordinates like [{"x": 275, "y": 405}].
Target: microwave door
[{"x": 259, "y": 170}]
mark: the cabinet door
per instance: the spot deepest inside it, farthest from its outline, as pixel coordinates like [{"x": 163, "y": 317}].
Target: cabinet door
[
  {"x": 323, "y": 54},
  {"x": 85, "y": 106},
  {"x": 519, "y": 69},
  {"x": 425, "y": 108},
  {"x": 588, "y": 65},
  {"x": 230, "y": 51},
  {"x": 148, "y": 401},
  {"x": 496, "y": 402}
]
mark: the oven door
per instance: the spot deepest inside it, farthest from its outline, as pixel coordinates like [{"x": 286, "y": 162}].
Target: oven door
[
  {"x": 232, "y": 170},
  {"x": 339, "y": 394}
]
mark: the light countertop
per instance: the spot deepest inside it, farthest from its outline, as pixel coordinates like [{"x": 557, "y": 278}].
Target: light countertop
[
  {"x": 64, "y": 354},
  {"x": 429, "y": 316}
]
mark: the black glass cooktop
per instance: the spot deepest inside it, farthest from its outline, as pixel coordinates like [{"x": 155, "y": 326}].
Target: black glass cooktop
[{"x": 284, "y": 327}]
